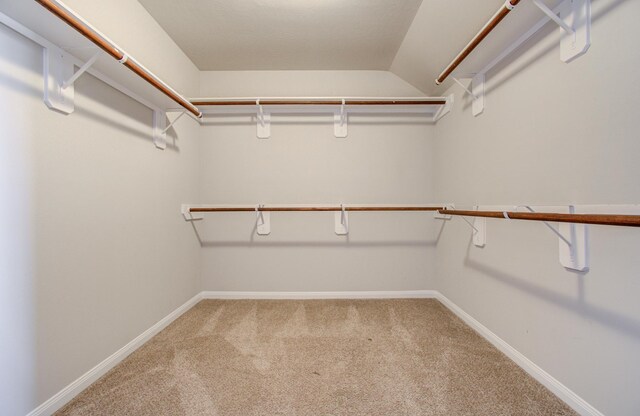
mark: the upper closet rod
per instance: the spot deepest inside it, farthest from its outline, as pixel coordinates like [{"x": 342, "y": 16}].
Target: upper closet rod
[
  {"x": 306, "y": 209},
  {"x": 99, "y": 40},
  {"x": 322, "y": 101},
  {"x": 599, "y": 219},
  {"x": 484, "y": 32}
]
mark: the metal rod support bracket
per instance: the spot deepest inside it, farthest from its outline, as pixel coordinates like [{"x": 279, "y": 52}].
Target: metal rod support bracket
[
  {"x": 342, "y": 221},
  {"x": 340, "y": 121},
  {"x": 185, "y": 210},
  {"x": 264, "y": 122},
  {"x": 572, "y": 242},
  {"x": 479, "y": 229},
  {"x": 444, "y": 109},
  {"x": 546, "y": 10},
  {"x": 69, "y": 82},
  {"x": 173, "y": 122},
  {"x": 263, "y": 221},
  {"x": 159, "y": 129},
  {"x": 57, "y": 69},
  {"x": 574, "y": 19},
  {"x": 476, "y": 92}
]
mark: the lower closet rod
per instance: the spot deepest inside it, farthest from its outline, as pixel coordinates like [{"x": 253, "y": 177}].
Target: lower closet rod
[
  {"x": 599, "y": 219},
  {"x": 335, "y": 208}
]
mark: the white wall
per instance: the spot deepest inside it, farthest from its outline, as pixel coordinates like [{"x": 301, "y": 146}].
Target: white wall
[
  {"x": 304, "y": 84},
  {"x": 385, "y": 159},
  {"x": 552, "y": 134},
  {"x": 93, "y": 250}
]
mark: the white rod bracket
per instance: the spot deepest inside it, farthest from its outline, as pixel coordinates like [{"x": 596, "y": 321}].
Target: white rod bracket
[
  {"x": 444, "y": 109},
  {"x": 477, "y": 88},
  {"x": 438, "y": 216},
  {"x": 464, "y": 87},
  {"x": 57, "y": 68},
  {"x": 159, "y": 127},
  {"x": 263, "y": 221},
  {"x": 549, "y": 226},
  {"x": 69, "y": 82},
  {"x": 342, "y": 221},
  {"x": 479, "y": 229},
  {"x": 574, "y": 20},
  {"x": 546, "y": 10},
  {"x": 573, "y": 242},
  {"x": 574, "y": 256},
  {"x": 577, "y": 15},
  {"x": 264, "y": 122},
  {"x": 185, "y": 210},
  {"x": 340, "y": 121},
  {"x": 173, "y": 122},
  {"x": 476, "y": 92}
]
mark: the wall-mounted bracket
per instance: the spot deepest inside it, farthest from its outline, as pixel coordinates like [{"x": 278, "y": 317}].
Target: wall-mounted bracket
[
  {"x": 166, "y": 129},
  {"x": 342, "y": 221},
  {"x": 574, "y": 20},
  {"x": 575, "y": 256},
  {"x": 438, "y": 216},
  {"x": 69, "y": 82},
  {"x": 476, "y": 92},
  {"x": 263, "y": 221},
  {"x": 573, "y": 243},
  {"x": 445, "y": 109},
  {"x": 477, "y": 88},
  {"x": 340, "y": 121},
  {"x": 58, "y": 67},
  {"x": 159, "y": 129},
  {"x": 263, "y": 123},
  {"x": 479, "y": 230},
  {"x": 185, "y": 210}
]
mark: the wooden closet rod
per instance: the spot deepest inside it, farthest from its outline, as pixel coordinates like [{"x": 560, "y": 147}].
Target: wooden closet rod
[
  {"x": 599, "y": 219},
  {"x": 324, "y": 102},
  {"x": 306, "y": 209},
  {"x": 484, "y": 32},
  {"x": 107, "y": 46}
]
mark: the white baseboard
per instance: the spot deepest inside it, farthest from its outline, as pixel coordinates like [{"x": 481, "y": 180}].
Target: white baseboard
[
  {"x": 66, "y": 394},
  {"x": 401, "y": 294},
  {"x": 559, "y": 389},
  {"x": 565, "y": 394}
]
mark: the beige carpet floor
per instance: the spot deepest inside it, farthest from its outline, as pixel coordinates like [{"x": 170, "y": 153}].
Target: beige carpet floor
[{"x": 317, "y": 357}]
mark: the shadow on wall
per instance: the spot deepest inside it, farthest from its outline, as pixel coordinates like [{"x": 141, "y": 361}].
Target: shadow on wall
[
  {"x": 223, "y": 120},
  {"x": 543, "y": 33},
  {"x": 103, "y": 94},
  {"x": 344, "y": 242},
  {"x": 315, "y": 244},
  {"x": 621, "y": 323}
]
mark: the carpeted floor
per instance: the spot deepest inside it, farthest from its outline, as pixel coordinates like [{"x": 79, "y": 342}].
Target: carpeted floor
[{"x": 317, "y": 357}]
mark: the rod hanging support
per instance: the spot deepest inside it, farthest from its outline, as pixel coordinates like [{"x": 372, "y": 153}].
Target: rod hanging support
[
  {"x": 81, "y": 71},
  {"x": 546, "y": 10},
  {"x": 264, "y": 122},
  {"x": 549, "y": 226},
  {"x": 260, "y": 112},
  {"x": 263, "y": 221},
  {"x": 464, "y": 87},
  {"x": 173, "y": 122},
  {"x": 479, "y": 227},
  {"x": 475, "y": 230},
  {"x": 342, "y": 221}
]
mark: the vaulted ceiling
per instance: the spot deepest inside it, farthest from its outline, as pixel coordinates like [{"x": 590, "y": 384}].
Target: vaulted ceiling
[
  {"x": 286, "y": 34},
  {"x": 414, "y": 39}
]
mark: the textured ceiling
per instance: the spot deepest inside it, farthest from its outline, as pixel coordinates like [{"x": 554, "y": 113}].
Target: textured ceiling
[{"x": 286, "y": 34}]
